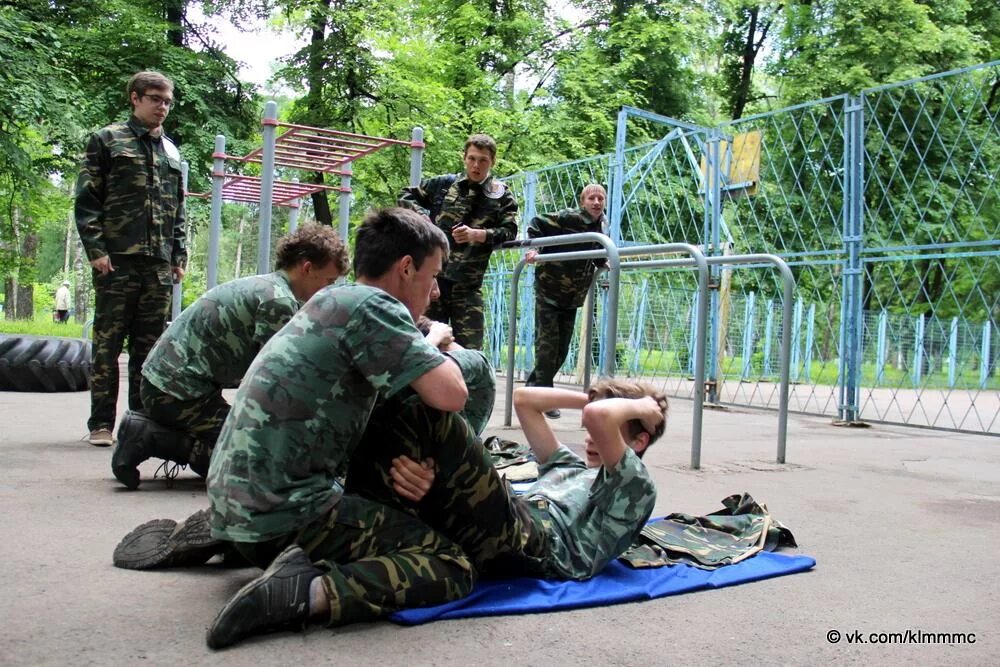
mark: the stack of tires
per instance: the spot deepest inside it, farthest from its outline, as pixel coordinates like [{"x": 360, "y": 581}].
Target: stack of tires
[{"x": 44, "y": 363}]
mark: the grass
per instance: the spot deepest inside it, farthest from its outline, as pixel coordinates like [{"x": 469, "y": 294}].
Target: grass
[{"x": 42, "y": 325}]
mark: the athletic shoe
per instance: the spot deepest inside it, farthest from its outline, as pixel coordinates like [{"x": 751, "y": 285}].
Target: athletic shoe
[
  {"x": 553, "y": 414},
  {"x": 101, "y": 437},
  {"x": 166, "y": 543},
  {"x": 276, "y": 600}
]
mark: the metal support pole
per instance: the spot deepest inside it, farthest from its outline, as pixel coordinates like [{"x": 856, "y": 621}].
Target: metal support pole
[
  {"x": 344, "y": 212},
  {"x": 953, "y": 353},
  {"x": 416, "y": 156},
  {"x": 293, "y": 211},
  {"x": 177, "y": 291},
  {"x": 786, "y": 328},
  {"x": 711, "y": 234},
  {"x": 880, "y": 349},
  {"x": 853, "y": 239},
  {"x": 269, "y": 129},
  {"x": 612, "y": 254},
  {"x": 985, "y": 354},
  {"x": 215, "y": 217}
]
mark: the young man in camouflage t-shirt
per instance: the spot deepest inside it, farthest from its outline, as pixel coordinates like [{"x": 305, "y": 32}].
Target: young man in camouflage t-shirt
[
  {"x": 211, "y": 345},
  {"x": 274, "y": 481},
  {"x": 576, "y": 518}
]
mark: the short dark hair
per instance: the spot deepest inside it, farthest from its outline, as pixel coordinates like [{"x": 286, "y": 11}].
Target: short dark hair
[
  {"x": 611, "y": 388},
  {"x": 143, "y": 81},
  {"x": 389, "y": 234},
  {"x": 319, "y": 244},
  {"x": 483, "y": 142}
]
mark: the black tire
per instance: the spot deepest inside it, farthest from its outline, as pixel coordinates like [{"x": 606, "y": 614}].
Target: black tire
[{"x": 44, "y": 363}]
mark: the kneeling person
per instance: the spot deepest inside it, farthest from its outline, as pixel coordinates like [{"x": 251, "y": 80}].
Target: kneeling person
[{"x": 211, "y": 345}]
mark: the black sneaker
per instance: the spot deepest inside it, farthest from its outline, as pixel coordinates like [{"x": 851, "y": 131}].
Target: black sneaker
[
  {"x": 553, "y": 414},
  {"x": 276, "y": 600},
  {"x": 166, "y": 543}
]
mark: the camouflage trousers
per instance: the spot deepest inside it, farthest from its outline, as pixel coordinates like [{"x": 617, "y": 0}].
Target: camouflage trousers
[
  {"x": 462, "y": 308},
  {"x": 375, "y": 560},
  {"x": 201, "y": 418},
  {"x": 469, "y": 502},
  {"x": 131, "y": 302},
  {"x": 553, "y": 335}
]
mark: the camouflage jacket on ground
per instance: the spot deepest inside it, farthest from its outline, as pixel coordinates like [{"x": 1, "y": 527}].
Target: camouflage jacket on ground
[
  {"x": 129, "y": 195},
  {"x": 302, "y": 408},
  {"x": 212, "y": 343},
  {"x": 740, "y": 530},
  {"x": 565, "y": 284},
  {"x": 451, "y": 200},
  {"x": 591, "y": 515}
]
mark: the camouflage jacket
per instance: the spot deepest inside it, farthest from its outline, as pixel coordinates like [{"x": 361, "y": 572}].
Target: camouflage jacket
[
  {"x": 452, "y": 200},
  {"x": 590, "y": 515},
  {"x": 212, "y": 343},
  {"x": 303, "y": 406},
  {"x": 129, "y": 196},
  {"x": 565, "y": 284}
]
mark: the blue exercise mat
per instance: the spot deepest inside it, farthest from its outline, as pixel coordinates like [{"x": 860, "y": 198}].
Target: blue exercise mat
[{"x": 617, "y": 583}]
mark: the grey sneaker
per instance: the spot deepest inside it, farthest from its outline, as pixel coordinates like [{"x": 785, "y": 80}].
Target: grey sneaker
[
  {"x": 276, "y": 600},
  {"x": 553, "y": 414},
  {"x": 166, "y": 543},
  {"x": 101, "y": 437}
]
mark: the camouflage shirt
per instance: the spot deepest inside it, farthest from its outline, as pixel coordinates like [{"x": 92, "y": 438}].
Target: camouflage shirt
[
  {"x": 212, "y": 343},
  {"x": 302, "y": 407},
  {"x": 565, "y": 284},
  {"x": 129, "y": 196},
  {"x": 451, "y": 200},
  {"x": 591, "y": 515}
]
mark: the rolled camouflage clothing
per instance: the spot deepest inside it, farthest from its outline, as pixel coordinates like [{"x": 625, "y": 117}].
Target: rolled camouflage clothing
[
  {"x": 449, "y": 201},
  {"x": 568, "y": 525},
  {"x": 209, "y": 347}
]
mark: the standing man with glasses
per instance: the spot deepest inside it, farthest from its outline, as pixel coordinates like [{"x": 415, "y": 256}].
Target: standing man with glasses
[{"x": 129, "y": 213}]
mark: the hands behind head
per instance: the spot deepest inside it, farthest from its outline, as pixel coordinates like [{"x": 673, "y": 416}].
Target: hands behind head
[
  {"x": 651, "y": 412},
  {"x": 410, "y": 479}
]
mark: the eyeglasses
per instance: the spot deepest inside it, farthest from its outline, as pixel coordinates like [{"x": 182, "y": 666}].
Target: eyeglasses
[{"x": 157, "y": 100}]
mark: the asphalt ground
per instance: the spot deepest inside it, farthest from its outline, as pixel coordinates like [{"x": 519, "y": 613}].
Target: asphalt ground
[{"x": 904, "y": 525}]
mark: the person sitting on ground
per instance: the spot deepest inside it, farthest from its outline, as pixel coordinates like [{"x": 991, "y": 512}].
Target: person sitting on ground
[
  {"x": 297, "y": 418},
  {"x": 210, "y": 346},
  {"x": 579, "y": 515},
  {"x": 561, "y": 287}
]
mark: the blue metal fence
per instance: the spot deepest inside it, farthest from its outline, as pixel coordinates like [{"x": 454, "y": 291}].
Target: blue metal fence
[{"x": 885, "y": 203}]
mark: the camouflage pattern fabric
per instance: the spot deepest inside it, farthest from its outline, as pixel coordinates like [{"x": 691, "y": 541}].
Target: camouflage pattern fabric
[
  {"x": 202, "y": 418},
  {"x": 212, "y": 343},
  {"x": 129, "y": 196},
  {"x": 375, "y": 560},
  {"x": 130, "y": 302},
  {"x": 209, "y": 347},
  {"x": 567, "y": 525},
  {"x": 302, "y": 407},
  {"x": 488, "y": 205},
  {"x": 565, "y": 284},
  {"x": 450, "y": 201},
  {"x": 553, "y": 334},
  {"x": 736, "y": 532},
  {"x": 462, "y": 308},
  {"x": 481, "y": 382}
]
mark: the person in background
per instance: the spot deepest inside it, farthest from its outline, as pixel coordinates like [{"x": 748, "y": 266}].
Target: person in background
[
  {"x": 130, "y": 215},
  {"x": 477, "y": 213},
  {"x": 62, "y": 302},
  {"x": 561, "y": 287}
]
